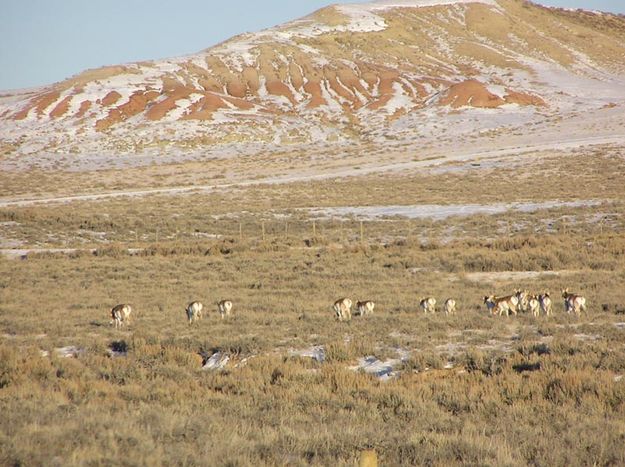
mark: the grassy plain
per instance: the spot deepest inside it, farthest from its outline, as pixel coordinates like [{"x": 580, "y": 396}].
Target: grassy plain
[{"x": 471, "y": 389}]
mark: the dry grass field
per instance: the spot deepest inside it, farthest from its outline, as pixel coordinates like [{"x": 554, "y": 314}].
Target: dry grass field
[{"x": 447, "y": 390}]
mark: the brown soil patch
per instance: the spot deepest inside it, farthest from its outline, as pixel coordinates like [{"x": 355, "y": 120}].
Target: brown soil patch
[
  {"x": 21, "y": 115},
  {"x": 160, "y": 109},
  {"x": 205, "y": 79},
  {"x": 204, "y": 108},
  {"x": 110, "y": 98},
  {"x": 342, "y": 91},
  {"x": 470, "y": 93},
  {"x": 349, "y": 79},
  {"x": 61, "y": 108},
  {"x": 385, "y": 89},
  {"x": 316, "y": 98},
  {"x": 84, "y": 107},
  {"x": 250, "y": 78},
  {"x": 40, "y": 103},
  {"x": 278, "y": 88},
  {"x": 297, "y": 79},
  {"x": 513, "y": 97},
  {"x": 46, "y": 100},
  {"x": 236, "y": 88},
  {"x": 239, "y": 103},
  {"x": 370, "y": 78},
  {"x": 135, "y": 105}
]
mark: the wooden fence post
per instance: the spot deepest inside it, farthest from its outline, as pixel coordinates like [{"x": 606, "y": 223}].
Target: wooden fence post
[
  {"x": 362, "y": 233},
  {"x": 240, "y": 230},
  {"x": 262, "y": 224}
]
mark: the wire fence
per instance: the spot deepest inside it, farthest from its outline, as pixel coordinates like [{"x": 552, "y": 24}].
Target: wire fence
[{"x": 379, "y": 230}]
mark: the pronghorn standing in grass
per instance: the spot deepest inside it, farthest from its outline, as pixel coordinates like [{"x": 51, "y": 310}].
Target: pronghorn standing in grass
[
  {"x": 224, "y": 307},
  {"x": 343, "y": 309},
  {"x": 573, "y": 302},
  {"x": 120, "y": 314},
  {"x": 501, "y": 305},
  {"x": 533, "y": 305},
  {"x": 523, "y": 297},
  {"x": 512, "y": 302},
  {"x": 428, "y": 304},
  {"x": 545, "y": 303},
  {"x": 494, "y": 306},
  {"x": 450, "y": 306},
  {"x": 194, "y": 311},
  {"x": 364, "y": 308}
]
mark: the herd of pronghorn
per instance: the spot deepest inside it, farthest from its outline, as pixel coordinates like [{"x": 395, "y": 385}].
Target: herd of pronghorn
[
  {"x": 120, "y": 314},
  {"x": 520, "y": 300}
]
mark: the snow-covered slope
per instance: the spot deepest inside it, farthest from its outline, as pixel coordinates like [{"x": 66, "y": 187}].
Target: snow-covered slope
[{"x": 365, "y": 73}]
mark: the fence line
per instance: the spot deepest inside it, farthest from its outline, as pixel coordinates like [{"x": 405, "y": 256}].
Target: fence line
[{"x": 363, "y": 231}]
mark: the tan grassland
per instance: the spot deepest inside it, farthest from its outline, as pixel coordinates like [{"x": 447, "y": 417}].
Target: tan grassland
[{"x": 470, "y": 389}]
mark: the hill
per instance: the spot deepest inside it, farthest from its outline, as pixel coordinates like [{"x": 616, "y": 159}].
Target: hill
[{"x": 385, "y": 73}]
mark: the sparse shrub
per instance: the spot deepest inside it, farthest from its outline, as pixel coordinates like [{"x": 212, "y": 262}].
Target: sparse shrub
[
  {"x": 114, "y": 251},
  {"x": 9, "y": 366},
  {"x": 339, "y": 352},
  {"x": 529, "y": 349}
]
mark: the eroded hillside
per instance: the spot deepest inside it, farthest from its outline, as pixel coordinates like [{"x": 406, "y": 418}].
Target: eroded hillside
[{"x": 363, "y": 73}]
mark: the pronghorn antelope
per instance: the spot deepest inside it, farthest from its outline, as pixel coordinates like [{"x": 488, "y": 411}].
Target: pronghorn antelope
[
  {"x": 120, "y": 314},
  {"x": 224, "y": 307},
  {"x": 573, "y": 302},
  {"x": 450, "y": 306},
  {"x": 494, "y": 306},
  {"x": 545, "y": 303},
  {"x": 533, "y": 305},
  {"x": 428, "y": 304},
  {"x": 364, "y": 308},
  {"x": 501, "y": 305},
  {"x": 522, "y": 297},
  {"x": 512, "y": 302},
  {"x": 194, "y": 311},
  {"x": 343, "y": 309}
]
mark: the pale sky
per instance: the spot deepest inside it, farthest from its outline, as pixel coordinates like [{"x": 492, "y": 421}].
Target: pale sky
[{"x": 44, "y": 41}]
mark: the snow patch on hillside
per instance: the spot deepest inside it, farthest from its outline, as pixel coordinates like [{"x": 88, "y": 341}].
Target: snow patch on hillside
[
  {"x": 386, "y": 4},
  {"x": 363, "y": 18},
  {"x": 240, "y": 52},
  {"x": 400, "y": 100}
]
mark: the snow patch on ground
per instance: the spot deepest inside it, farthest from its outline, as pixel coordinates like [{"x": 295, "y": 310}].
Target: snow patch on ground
[
  {"x": 217, "y": 361},
  {"x": 70, "y": 351},
  {"x": 384, "y": 370},
  {"x": 512, "y": 276},
  {"x": 316, "y": 352},
  {"x": 374, "y": 366},
  {"x": 440, "y": 212}
]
